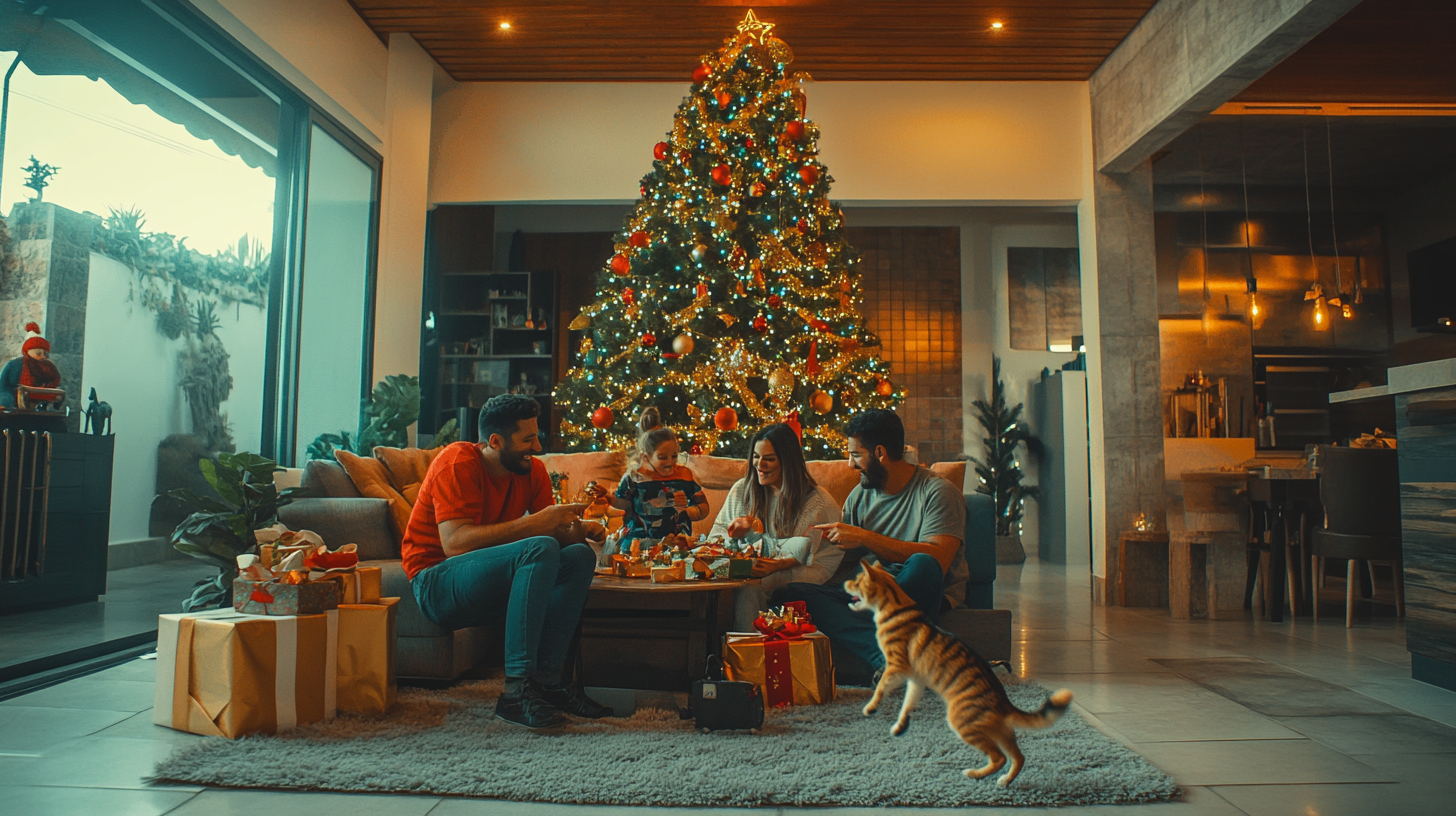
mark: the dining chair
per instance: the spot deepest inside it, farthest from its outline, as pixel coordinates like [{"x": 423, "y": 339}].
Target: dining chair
[{"x": 1360, "y": 490}]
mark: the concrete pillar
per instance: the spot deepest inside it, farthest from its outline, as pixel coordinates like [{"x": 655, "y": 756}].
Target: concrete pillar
[
  {"x": 1128, "y": 359},
  {"x": 48, "y": 285}
]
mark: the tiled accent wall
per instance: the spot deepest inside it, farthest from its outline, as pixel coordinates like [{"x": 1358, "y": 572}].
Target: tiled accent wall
[{"x": 912, "y": 297}]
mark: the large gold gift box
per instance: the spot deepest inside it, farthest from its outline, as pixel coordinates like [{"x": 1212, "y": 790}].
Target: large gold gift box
[
  {"x": 798, "y": 671},
  {"x": 224, "y": 673},
  {"x": 366, "y": 656}
]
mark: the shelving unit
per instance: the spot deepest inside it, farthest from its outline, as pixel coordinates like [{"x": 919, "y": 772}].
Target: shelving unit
[{"x": 486, "y": 332}]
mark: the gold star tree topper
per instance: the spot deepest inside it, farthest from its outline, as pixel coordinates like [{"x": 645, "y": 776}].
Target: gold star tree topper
[{"x": 754, "y": 28}]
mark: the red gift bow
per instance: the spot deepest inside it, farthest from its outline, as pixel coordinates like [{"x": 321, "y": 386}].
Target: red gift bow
[
  {"x": 260, "y": 595},
  {"x": 321, "y": 559},
  {"x": 788, "y": 622}
]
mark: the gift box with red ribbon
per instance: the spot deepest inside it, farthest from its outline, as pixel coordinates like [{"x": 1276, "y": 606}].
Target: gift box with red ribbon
[{"x": 789, "y": 659}]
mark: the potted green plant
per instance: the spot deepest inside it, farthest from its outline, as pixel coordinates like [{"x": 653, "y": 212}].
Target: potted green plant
[
  {"x": 220, "y": 529},
  {"x": 999, "y": 471},
  {"x": 392, "y": 407}
]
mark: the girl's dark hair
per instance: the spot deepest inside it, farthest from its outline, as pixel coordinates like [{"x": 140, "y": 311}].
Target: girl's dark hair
[
  {"x": 654, "y": 433},
  {"x": 795, "y": 486}
]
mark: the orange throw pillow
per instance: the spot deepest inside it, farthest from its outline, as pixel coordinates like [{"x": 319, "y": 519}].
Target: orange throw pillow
[
  {"x": 407, "y": 468},
  {"x": 373, "y": 480}
]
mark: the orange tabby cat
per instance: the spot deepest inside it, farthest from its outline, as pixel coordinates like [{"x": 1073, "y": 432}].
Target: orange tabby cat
[{"x": 922, "y": 656}]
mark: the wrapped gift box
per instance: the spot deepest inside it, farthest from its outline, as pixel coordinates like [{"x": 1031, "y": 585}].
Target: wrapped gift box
[
  {"x": 798, "y": 671},
  {"x": 274, "y": 598},
  {"x": 366, "y": 656},
  {"x": 362, "y": 586},
  {"x": 733, "y": 568},
  {"x": 223, "y": 673}
]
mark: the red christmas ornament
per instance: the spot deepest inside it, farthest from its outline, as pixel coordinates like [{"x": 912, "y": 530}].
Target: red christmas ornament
[
  {"x": 722, "y": 174},
  {"x": 811, "y": 368},
  {"x": 726, "y": 419},
  {"x": 602, "y": 417},
  {"x": 748, "y": 143},
  {"x": 723, "y": 100},
  {"x": 757, "y": 189},
  {"x": 696, "y": 449},
  {"x": 760, "y": 324},
  {"x": 794, "y": 130},
  {"x": 640, "y": 239},
  {"x": 701, "y": 73},
  {"x": 684, "y": 156},
  {"x": 649, "y": 339},
  {"x": 668, "y": 355},
  {"x": 643, "y": 190},
  {"x": 884, "y": 387},
  {"x": 628, "y": 296},
  {"x": 774, "y": 301},
  {"x": 701, "y": 290},
  {"x": 809, "y": 173},
  {"x": 802, "y": 226},
  {"x": 661, "y": 151},
  {"x": 621, "y": 265}
]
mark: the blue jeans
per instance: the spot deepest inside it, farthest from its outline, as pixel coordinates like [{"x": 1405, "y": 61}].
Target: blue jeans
[
  {"x": 541, "y": 585},
  {"x": 828, "y": 605}
]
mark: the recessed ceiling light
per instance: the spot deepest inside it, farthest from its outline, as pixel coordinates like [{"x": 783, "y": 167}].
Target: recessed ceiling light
[
  {"x": 505, "y": 26},
  {"x": 997, "y": 26}
]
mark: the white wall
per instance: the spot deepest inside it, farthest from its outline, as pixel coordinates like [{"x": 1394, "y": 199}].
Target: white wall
[
  {"x": 322, "y": 48},
  {"x": 930, "y": 142},
  {"x": 134, "y": 368}
]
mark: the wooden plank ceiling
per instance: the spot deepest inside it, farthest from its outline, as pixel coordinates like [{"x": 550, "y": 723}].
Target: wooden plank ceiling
[
  {"x": 661, "y": 40},
  {"x": 1380, "y": 51}
]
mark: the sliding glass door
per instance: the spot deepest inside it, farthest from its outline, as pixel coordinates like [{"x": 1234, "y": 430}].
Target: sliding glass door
[{"x": 335, "y": 292}]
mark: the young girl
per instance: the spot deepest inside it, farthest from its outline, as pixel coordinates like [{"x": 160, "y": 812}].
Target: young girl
[{"x": 660, "y": 496}]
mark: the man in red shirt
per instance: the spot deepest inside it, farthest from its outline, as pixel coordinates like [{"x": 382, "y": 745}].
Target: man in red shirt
[{"x": 484, "y": 535}]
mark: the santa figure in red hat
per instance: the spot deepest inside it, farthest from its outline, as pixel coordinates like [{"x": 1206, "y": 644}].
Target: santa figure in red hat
[{"x": 32, "y": 368}]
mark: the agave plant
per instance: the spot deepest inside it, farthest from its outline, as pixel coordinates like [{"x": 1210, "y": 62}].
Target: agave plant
[{"x": 221, "y": 529}]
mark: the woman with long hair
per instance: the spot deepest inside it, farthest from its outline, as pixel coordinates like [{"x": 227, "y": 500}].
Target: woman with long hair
[{"x": 776, "y": 505}]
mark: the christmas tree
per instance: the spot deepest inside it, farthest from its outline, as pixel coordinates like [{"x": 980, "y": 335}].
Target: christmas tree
[{"x": 732, "y": 300}]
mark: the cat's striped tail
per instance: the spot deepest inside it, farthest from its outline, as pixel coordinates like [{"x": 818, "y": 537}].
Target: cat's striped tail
[{"x": 1051, "y": 711}]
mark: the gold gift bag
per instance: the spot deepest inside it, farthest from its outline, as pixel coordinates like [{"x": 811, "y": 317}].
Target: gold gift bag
[
  {"x": 798, "y": 671},
  {"x": 223, "y": 673},
  {"x": 358, "y": 587},
  {"x": 366, "y": 656}
]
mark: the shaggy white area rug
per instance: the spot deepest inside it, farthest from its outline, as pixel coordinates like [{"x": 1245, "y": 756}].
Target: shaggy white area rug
[{"x": 448, "y": 742}]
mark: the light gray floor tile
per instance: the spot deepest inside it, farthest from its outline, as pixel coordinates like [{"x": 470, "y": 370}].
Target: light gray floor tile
[
  {"x": 140, "y": 726},
  {"x": 143, "y": 670},
  {"x": 107, "y": 695},
  {"x": 1132, "y": 691},
  {"x": 279, "y": 803},
  {"x": 1399, "y": 734},
  {"x": 48, "y": 801},
  {"x": 1197, "y": 718},
  {"x": 1256, "y": 762},
  {"x": 1337, "y": 800},
  {"x": 91, "y": 762},
  {"x": 1030, "y": 659},
  {"x": 28, "y": 730}
]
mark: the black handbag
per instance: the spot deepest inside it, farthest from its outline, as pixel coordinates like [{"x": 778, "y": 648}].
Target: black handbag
[{"x": 722, "y": 705}]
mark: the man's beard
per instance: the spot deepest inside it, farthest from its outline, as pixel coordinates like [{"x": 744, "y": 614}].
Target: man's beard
[
  {"x": 874, "y": 475},
  {"x": 515, "y": 462}
]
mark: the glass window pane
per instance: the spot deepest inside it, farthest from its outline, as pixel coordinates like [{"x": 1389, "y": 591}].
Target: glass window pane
[{"x": 336, "y": 245}]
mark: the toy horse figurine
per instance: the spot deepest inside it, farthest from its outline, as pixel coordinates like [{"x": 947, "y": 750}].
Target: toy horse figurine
[{"x": 98, "y": 416}]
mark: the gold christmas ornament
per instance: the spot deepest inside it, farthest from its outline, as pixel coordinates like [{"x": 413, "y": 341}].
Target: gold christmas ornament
[
  {"x": 728, "y": 319},
  {"x": 580, "y": 322},
  {"x": 782, "y": 379},
  {"x": 699, "y": 252},
  {"x": 682, "y": 344},
  {"x": 821, "y": 401},
  {"x": 780, "y": 50}
]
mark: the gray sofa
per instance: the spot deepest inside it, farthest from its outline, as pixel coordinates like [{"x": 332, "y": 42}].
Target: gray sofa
[{"x": 428, "y": 652}]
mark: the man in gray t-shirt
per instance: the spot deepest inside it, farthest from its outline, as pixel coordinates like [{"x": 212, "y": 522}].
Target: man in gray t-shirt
[{"x": 906, "y": 518}]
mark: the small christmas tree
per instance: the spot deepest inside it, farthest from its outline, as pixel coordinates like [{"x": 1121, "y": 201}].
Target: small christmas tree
[
  {"x": 732, "y": 300},
  {"x": 1000, "y": 472}
]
